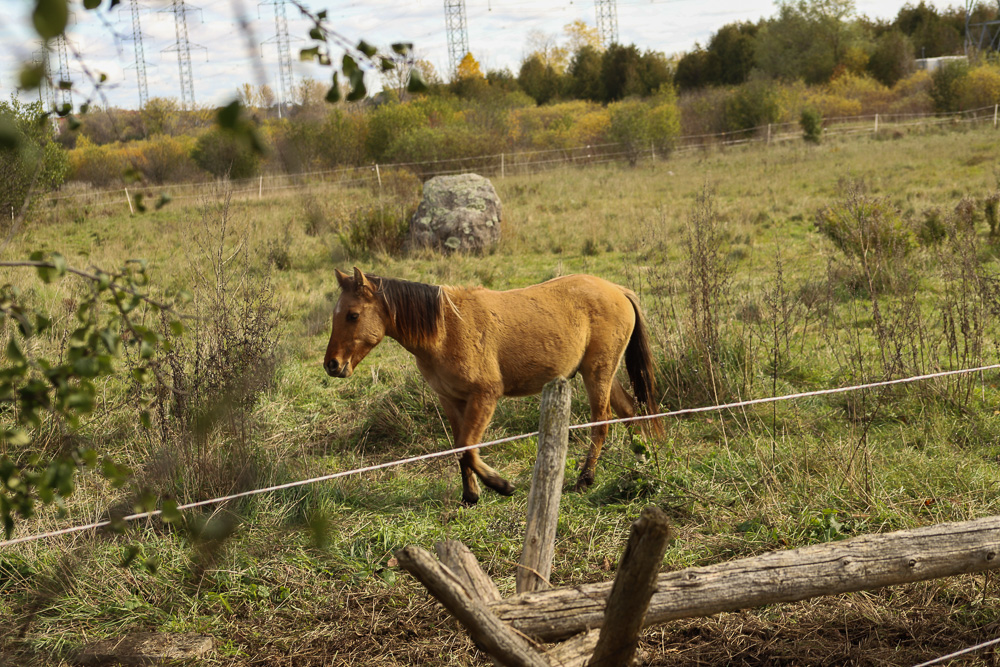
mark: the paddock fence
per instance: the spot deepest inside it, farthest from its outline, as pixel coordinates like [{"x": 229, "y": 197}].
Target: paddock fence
[{"x": 518, "y": 163}]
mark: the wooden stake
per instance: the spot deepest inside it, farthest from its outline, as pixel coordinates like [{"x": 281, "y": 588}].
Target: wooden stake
[
  {"x": 129, "y": 200},
  {"x": 546, "y": 488},
  {"x": 634, "y": 585},
  {"x": 378, "y": 175},
  {"x": 496, "y": 638}
]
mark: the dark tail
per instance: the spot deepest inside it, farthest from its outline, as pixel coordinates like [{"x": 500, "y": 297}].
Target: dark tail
[{"x": 639, "y": 364}]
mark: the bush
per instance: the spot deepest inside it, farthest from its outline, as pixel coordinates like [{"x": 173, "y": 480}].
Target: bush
[
  {"x": 32, "y": 150},
  {"x": 631, "y": 127},
  {"x": 222, "y": 154},
  {"x": 871, "y": 233},
  {"x": 946, "y": 85},
  {"x": 164, "y": 159},
  {"x": 752, "y": 105},
  {"x": 388, "y": 124},
  {"x": 979, "y": 88},
  {"x": 812, "y": 125},
  {"x": 380, "y": 228}
]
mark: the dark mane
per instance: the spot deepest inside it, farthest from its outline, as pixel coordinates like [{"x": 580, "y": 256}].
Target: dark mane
[{"x": 415, "y": 308}]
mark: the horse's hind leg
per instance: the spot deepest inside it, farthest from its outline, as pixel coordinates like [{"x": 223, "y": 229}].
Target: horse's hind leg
[
  {"x": 600, "y": 390},
  {"x": 621, "y": 402}
]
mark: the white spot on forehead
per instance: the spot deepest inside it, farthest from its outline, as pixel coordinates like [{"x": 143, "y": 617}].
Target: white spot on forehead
[{"x": 340, "y": 307}]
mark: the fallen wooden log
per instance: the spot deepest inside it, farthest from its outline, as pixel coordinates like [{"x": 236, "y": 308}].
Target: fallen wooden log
[{"x": 861, "y": 563}]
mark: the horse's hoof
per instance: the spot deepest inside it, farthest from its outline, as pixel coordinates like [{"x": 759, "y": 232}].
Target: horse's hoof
[
  {"x": 469, "y": 499},
  {"x": 507, "y": 489}
]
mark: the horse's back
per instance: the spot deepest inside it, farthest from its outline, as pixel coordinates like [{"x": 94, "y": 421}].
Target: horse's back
[{"x": 535, "y": 334}]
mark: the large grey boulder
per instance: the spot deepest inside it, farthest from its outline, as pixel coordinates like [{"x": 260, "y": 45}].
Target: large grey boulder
[{"x": 459, "y": 212}]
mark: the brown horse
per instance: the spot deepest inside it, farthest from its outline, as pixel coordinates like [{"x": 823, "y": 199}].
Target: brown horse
[{"x": 475, "y": 345}]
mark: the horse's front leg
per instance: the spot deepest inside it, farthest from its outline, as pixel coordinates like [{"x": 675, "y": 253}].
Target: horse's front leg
[{"x": 476, "y": 414}]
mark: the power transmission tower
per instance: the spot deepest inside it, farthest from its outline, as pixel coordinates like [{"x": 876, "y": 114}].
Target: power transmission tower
[
  {"x": 980, "y": 36},
  {"x": 140, "y": 54},
  {"x": 183, "y": 48},
  {"x": 65, "y": 95},
  {"x": 45, "y": 95},
  {"x": 281, "y": 39},
  {"x": 458, "y": 34},
  {"x": 607, "y": 21}
]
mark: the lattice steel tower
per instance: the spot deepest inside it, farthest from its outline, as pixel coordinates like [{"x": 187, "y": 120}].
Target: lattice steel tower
[
  {"x": 458, "y": 34},
  {"x": 980, "y": 36},
  {"x": 183, "y": 48},
  {"x": 283, "y": 42},
  {"x": 63, "y": 95},
  {"x": 45, "y": 95},
  {"x": 607, "y": 21},
  {"x": 140, "y": 54}
]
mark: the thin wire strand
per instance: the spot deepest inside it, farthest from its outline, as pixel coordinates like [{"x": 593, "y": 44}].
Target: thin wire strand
[
  {"x": 958, "y": 653},
  {"x": 459, "y": 450}
]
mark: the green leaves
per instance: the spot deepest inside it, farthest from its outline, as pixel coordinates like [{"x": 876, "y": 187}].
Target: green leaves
[
  {"x": 110, "y": 318},
  {"x": 50, "y": 18}
]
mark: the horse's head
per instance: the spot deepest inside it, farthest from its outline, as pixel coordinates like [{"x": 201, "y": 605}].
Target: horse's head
[{"x": 358, "y": 324}]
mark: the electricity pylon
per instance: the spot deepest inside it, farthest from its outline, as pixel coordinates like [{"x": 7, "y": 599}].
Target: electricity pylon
[
  {"x": 458, "y": 34},
  {"x": 607, "y": 21}
]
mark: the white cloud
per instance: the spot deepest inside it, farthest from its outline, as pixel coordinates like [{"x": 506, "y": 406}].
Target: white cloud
[{"x": 497, "y": 31}]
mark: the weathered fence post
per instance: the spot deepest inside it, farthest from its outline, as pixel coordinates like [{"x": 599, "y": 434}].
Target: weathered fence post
[
  {"x": 129, "y": 200},
  {"x": 378, "y": 174},
  {"x": 876, "y": 123},
  {"x": 634, "y": 585},
  {"x": 546, "y": 488}
]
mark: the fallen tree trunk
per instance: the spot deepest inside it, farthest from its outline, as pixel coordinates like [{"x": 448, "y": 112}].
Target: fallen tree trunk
[{"x": 861, "y": 563}]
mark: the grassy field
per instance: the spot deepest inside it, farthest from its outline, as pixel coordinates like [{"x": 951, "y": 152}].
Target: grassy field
[{"x": 745, "y": 298}]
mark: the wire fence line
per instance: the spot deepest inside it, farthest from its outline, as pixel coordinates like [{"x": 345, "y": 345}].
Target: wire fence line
[
  {"x": 534, "y": 161},
  {"x": 458, "y": 450}
]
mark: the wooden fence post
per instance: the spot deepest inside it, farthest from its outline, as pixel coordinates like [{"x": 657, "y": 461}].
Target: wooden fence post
[
  {"x": 634, "y": 585},
  {"x": 546, "y": 488},
  {"x": 378, "y": 174},
  {"x": 129, "y": 200},
  {"x": 876, "y": 123}
]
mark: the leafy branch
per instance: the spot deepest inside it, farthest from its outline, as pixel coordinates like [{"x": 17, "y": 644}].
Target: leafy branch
[{"x": 34, "y": 387}]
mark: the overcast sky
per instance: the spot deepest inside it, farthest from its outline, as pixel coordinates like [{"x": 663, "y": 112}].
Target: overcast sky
[{"x": 222, "y": 59}]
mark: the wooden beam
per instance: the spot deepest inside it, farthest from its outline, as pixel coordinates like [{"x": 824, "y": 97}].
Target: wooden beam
[
  {"x": 465, "y": 566},
  {"x": 634, "y": 585},
  {"x": 861, "y": 563},
  {"x": 546, "y": 489},
  {"x": 496, "y": 638}
]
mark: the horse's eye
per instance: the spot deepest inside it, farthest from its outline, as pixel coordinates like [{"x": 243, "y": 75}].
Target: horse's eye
[{"x": 353, "y": 317}]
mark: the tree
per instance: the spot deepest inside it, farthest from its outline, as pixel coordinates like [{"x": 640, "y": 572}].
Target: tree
[
  {"x": 585, "y": 81},
  {"x": 696, "y": 69},
  {"x": 808, "y": 40},
  {"x": 892, "y": 58},
  {"x": 580, "y": 35},
  {"x": 539, "y": 80},
  {"x": 733, "y": 50},
  {"x": 931, "y": 34},
  {"x": 546, "y": 48},
  {"x": 620, "y": 72},
  {"x": 30, "y": 159}
]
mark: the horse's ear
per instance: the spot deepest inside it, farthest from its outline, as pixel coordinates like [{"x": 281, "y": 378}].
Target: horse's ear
[
  {"x": 343, "y": 279},
  {"x": 361, "y": 282}
]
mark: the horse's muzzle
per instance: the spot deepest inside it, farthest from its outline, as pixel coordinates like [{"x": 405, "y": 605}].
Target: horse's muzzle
[{"x": 336, "y": 369}]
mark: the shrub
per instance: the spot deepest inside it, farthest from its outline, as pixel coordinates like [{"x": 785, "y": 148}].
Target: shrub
[
  {"x": 631, "y": 127},
  {"x": 665, "y": 120},
  {"x": 979, "y": 88},
  {"x": 812, "y": 125},
  {"x": 223, "y": 154},
  {"x": 101, "y": 166},
  {"x": 752, "y": 105},
  {"x": 946, "y": 84},
  {"x": 164, "y": 159},
  {"x": 388, "y": 124},
  {"x": 871, "y": 233},
  {"x": 380, "y": 228},
  {"x": 32, "y": 150}
]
